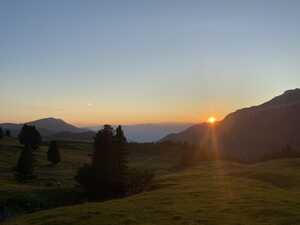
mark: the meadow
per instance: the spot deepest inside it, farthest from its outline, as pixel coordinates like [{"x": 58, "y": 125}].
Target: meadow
[
  {"x": 55, "y": 185},
  {"x": 215, "y": 192}
]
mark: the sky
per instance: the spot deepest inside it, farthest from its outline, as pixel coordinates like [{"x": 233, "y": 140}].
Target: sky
[{"x": 128, "y": 62}]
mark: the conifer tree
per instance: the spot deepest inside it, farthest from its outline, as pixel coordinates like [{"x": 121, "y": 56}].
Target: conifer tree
[
  {"x": 121, "y": 154},
  {"x": 24, "y": 167},
  {"x": 105, "y": 177},
  {"x": 29, "y": 136},
  {"x": 53, "y": 154},
  {"x": 31, "y": 139}
]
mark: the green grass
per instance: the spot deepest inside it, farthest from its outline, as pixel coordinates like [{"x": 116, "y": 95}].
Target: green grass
[
  {"x": 55, "y": 185},
  {"x": 213, "y": 193}
]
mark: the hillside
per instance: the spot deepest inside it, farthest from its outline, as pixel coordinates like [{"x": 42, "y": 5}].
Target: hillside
[
  {"x": 249, "y": 134},
  {"x": 55, "y": 125},
  {"x": 192, "y": 134},
  {"x": 213, "y": 193}
]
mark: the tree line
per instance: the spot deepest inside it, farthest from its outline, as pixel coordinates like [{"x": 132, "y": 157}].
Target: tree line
[{"x": 31, "y": 139}]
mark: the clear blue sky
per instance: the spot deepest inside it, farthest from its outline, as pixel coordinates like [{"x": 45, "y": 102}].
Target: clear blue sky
[{"x": 91, "y": 62}]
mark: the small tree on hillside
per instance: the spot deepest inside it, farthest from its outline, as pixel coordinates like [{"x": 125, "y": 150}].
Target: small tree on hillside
[
  {"x": 7, "y": 133},
  {"x": 31, "y": 139},
  {"x": 29, "y": 136},
  {"x": 53, "y": 154},
  {"x": 1, "y": 133},
  {"x": 24, "y": 169}
]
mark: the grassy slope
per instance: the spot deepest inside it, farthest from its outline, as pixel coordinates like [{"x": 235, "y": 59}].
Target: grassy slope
[
  {"x": 63, "y": 172},
  {"x": 54, "y": 185},
  {"x": 212, "y": 193},
  {"x": 74, "y": 155}
]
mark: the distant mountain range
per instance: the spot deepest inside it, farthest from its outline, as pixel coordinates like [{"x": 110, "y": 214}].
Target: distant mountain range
[
  {"x": 150, "y": 132},
  {"x": 250, "y": 133},
  {"x": 53, "y": 128}
]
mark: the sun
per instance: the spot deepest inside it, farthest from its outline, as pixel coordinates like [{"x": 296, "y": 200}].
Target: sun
[{"x": 211, "y": 120}]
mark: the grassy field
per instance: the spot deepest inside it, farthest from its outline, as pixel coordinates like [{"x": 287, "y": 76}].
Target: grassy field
[
  {"x": 219, "y": 193},
  {"x": 55, "y": 185}
]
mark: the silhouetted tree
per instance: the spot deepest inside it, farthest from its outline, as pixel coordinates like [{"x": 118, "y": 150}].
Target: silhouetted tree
[
  {"x": 24, "y": 169},
  {"x": 7, "y": 133},
  {"x": 120, "y": 160},
  {"x": 31, "y": 139},
  {"x": 29, "y": 136},
  {"x": 105, "y": 177},
  {"x": 1, "y": 133},
  {"x": 53, "y": 154}
]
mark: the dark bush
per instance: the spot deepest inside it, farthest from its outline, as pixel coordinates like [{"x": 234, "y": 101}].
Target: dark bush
[{"x": 139, "y": 180}]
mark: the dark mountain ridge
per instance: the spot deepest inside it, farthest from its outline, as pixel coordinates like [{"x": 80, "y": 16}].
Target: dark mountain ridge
[
  {"x": 47, "y": 127},
  {"x": 251, "y": 133}
]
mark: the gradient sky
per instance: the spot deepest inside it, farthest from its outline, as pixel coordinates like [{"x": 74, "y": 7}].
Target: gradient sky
[{"x": 95, "y": 62}]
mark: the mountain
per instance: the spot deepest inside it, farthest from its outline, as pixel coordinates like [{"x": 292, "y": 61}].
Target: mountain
[
  {"x": 189, "y": 135},
  {"x": 55, "y": 125},
  {"x": 46, "y": 127},
  {"x": 149, "y": 132},
  {"x": 251, "y": 133}
]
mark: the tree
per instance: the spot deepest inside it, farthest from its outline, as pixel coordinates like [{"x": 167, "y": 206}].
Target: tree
[
  {"x": 24, "y": 169},
  {"x": 53, "y": 153},
  {"x": 29, "y": 136},
  {"x": 1, "y": 133},
  {"x": 105, "y": 177},
  {"x": 31, "y": 139},
  {"x": 7, "y": 133},
  {"x": 120, "y": 156}
]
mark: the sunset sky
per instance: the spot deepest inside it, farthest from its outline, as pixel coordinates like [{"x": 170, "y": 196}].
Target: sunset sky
[{"x": 94, "y": 62}]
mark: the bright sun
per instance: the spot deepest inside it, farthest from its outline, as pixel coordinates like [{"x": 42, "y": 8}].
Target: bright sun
[{"x": 211, "y": 120}]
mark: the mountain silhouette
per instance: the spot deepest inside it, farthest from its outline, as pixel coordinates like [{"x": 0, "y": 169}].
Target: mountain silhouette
[
  {"x": 251, "y": 133},
  {"x": 46, "y": 127},
  {"x": 58, "y": 129},
  {"x": 55, "y": 125}
]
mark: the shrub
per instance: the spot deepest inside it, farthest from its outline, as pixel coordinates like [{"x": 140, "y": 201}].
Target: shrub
[{"x": 139, "y": 180}]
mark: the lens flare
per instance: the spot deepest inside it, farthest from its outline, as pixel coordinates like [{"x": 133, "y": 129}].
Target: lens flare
[{"x": 211, "y": 120}]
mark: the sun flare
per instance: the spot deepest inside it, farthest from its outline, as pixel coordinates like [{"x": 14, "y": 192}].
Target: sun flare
[{"x": 211, "y": 120}]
